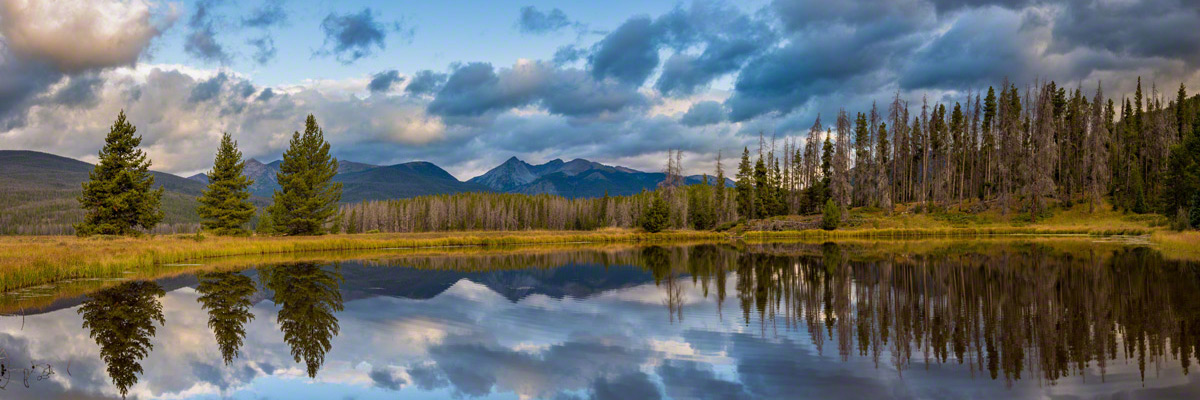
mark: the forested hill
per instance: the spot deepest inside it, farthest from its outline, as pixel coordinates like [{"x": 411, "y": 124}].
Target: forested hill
[
  {"x": 38, "y": 194},
  {"x": 573, "y": 179}
]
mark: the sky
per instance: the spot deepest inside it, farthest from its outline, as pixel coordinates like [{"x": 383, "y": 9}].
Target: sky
[{"x": 467, "y": 85}]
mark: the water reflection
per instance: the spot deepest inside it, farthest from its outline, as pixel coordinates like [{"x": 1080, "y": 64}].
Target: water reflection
[
  {"x": 308, "y": 297},
  {"x": 121, "y": 320},
  {"x": 823, "y": 321},
  {"x": 227, "y": 298}
]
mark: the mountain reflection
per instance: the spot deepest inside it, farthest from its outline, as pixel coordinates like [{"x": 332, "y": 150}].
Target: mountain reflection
[
  {"x": 121, "y": 320},
  {"x": 1019, "y": 311},
  {"x": 226, "y": 297},
  {"x": 308, "y": 297}
]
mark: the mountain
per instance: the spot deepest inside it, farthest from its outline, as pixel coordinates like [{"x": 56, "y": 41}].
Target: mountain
[
  {"x": 38, "y": 193},
  {"x": 401, "y": 181},
  {"x": 575, "y": 178},
  {"x": 365, "y": 181}
]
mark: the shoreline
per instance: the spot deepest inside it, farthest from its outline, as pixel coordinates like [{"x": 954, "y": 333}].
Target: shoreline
[{"x": 28, "y": 261}]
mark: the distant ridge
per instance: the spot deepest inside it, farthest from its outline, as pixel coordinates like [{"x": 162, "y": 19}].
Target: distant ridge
[{"x": 575, "y": 178}]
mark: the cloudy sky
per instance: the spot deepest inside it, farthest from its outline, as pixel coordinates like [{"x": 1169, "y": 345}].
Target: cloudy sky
[{"x": 467, "y": 85}]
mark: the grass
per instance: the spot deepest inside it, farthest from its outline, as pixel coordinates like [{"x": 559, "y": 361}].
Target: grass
[
  {"x": 36, "y": 260},
  {"x": 28, "y": 261}
]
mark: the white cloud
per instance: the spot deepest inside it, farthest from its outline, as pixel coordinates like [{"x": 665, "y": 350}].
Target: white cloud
[{"x": 78, "y": 35}]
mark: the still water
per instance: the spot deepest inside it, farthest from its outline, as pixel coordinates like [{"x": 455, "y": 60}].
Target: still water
[{"x": 1063, "y": 319}]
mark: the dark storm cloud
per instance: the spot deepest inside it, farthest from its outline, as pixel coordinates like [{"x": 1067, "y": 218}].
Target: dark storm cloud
[
  {"x": 350, "y": 37},
  {"x": 20, "y": 82},
  {"x": 264, "y": 49},
  {"x": 1151, "y": 28},
  {"x": 269, "y": 14},
  {"x": 979, "y": 49},
  {"x": 728, "y": 36},
  {"x": 703, "y": 113},
  {"x": 425, "y": 82},
  {"x": 629, "y": 54},
  {"x": 534, "y": 21},
  {"x": 382, "y": 82},
  {"x": 79, "y": 91},
  {"x": 477, "y": 88},
  {"x": 201, "y": 42}
]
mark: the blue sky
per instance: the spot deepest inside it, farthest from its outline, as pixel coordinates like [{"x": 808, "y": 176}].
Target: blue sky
[{"x": 469, "y": 84}]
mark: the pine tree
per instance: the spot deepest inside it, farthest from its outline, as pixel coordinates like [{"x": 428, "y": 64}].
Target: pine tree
[
  {"x": 719, "y": 192},
  {"x": 225, "y": 207},
  {"x": 117, "y": 198},
  {"x": 1183, "y": 114},
  {"x": 308, "y": 197},
  {"x": 745, "y": 186},
  {"x": 655, "y": 216}
]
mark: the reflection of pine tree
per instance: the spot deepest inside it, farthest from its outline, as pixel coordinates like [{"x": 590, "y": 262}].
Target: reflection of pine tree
[
  {"x": 226, "y": 297},
  {"x": 121, "y": 319},
  {"x": 307, "y": 297}
]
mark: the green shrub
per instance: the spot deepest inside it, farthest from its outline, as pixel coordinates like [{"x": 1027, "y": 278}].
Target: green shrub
[
  {"x": 832, "y": 216},
  {"x": 1181, "y": 222},
  {"x": 1194, "y": 217}
]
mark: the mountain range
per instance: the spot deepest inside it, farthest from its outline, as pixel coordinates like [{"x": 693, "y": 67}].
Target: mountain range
[
  {"x": 38, "y": 190},
  {"x": 575, "y": 178}
]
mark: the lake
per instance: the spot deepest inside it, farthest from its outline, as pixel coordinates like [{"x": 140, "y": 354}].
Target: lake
[{"x": 1065, "y": 318}]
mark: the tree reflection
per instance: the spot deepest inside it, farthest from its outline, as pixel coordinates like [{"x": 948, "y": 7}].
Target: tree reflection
[
  {"x": 307, "y": 297},
  {"x": 1024, "y": 310},
  {"x": 226, "y": 297},
  {"x": 121, "y": 320}
]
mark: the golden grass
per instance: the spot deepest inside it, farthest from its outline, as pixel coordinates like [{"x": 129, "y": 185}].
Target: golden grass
[
  {"x": 27, "y": 261},
  {"x": 30, "y": 261}
]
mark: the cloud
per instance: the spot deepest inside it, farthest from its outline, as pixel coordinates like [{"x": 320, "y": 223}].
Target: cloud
[
  {"x": 385, "y": 378},
  {"x": 634, "y": 385},
  {"x": 703, "y": 113},
  {"x": 383, "y": 81},
  {"x": 534, "y": 21},
  {"x": 79, "y": 35},
  {"x": 477, "y": 88},
  {"x": 568, "y": 54},
  {"x": 79, "y": 91},
  {"x": 425, "y": 82},
  {"x": 202, "y": 42},
  {"x": 351, "y": 37},
  {"x": 269, "y": 14},
  {"x": 629, "y": 54},
  {"x": 264, "y": 49}
]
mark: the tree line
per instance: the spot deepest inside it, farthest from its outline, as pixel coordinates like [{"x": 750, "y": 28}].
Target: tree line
[{"x": 1015, "y": 150}]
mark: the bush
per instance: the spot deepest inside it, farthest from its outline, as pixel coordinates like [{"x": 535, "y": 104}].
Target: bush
[
  {"x": 654, "y": 218},
  {"x": 725, "y": 226},
  {"x": 1195, "y": 214},
  {"x": 1181, "y": 222},
  {"x": 832, "y": 216}
]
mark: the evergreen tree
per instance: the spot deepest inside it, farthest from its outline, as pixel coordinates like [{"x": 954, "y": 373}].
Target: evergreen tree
[
  {"x": 762, "y": 191},
  {"x": 308, "y": 197},
  {"x": 832, "y": 216},
  {"x": 744, "y": 187},
  {"x": 719, "y": 205},
  {"x": 1194, "y": 215},
  {"x": 118, "y": 197},
  {"x": 1183, "y": 114},
  {"x": 656, "y": 215},
  {"x": 225, "y": 207}
]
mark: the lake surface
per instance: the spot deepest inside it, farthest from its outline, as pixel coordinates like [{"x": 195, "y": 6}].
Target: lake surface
[{"x": 994, "y": 319}]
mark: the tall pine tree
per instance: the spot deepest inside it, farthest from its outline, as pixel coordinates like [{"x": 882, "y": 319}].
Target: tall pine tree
[
  {"x": 224, "y": 206},
  {"x": 118, "y": 197},
  {"x": 308, "y": 197}
]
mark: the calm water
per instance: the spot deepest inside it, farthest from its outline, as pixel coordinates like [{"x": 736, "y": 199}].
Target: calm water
[{"x": 950, "y": 320}]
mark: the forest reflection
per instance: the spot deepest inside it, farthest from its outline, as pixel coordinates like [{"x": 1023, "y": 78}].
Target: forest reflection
[{"x": 1021, "y": 311}]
